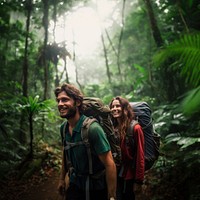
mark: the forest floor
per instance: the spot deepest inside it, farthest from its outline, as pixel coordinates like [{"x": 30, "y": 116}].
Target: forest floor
[
  {"x": 41, "y": 186},
  {"x": 42, "y": 182},
  {"x": 37, "y": 188},
  {"x": 159, "y": 184}
]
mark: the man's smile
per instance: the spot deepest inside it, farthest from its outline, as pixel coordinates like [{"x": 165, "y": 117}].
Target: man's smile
[{"x": 63, "y": 109}]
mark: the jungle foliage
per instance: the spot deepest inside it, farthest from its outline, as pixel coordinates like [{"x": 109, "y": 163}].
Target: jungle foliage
[{"x": 153, "y": 57}]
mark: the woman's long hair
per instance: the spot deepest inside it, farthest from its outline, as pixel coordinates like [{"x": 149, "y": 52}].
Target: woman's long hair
[{"x": 126, "y": 117}]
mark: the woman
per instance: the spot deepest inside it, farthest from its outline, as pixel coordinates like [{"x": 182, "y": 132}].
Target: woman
[{"x": 131, "y": 172}]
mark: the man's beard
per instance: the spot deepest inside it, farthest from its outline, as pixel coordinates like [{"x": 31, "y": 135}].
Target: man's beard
[{"x": 71, "y": 112}]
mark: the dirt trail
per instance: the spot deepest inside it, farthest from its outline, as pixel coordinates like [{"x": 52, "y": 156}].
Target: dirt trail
[
  {"x": 39, "y": 190},
  {"x": 46, "y": 190}
]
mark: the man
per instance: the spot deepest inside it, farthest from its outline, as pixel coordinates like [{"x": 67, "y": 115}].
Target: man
[{"x": 102, "y": 186}]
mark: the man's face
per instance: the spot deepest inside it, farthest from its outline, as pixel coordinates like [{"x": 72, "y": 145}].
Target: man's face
[
  {"x": 66, "y": 106},
  {"x": 116, "y": 109}
]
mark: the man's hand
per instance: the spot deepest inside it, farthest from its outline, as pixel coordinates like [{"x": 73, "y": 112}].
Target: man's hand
[{"x": 61, "y": 187}]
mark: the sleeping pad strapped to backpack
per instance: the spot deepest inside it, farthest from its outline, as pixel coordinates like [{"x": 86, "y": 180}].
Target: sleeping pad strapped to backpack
[{"x": 142, "y": 114}]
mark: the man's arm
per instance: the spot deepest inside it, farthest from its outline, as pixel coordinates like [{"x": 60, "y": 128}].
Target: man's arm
[{"x": 111, "y": 173}]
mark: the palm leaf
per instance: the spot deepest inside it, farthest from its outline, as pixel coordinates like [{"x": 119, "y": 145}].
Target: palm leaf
[
  {"x": 191, "y": 103},
  {"x": 187, "y": 51}
]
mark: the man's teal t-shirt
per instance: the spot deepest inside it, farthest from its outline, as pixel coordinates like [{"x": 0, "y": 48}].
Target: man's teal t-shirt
[{"x": 79, "y": 158}]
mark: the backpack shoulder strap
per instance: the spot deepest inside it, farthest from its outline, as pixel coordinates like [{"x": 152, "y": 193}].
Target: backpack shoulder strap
[
  {"x": 84, "y": 134},
  {"x": 67, "y": 145},
  {"x": 131, "y": 127},
  {"x": 85, "y": 137},
  {"x": 85, "y": 127},
  {"x": 63, "y": 132},
  {"x": 67, "y": 163}
]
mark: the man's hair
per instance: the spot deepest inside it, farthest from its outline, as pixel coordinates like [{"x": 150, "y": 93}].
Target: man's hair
[{"x": 71, "y": 91}]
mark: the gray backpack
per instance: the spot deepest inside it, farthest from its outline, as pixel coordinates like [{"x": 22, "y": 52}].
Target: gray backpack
[{"x": 142, "y": 112}]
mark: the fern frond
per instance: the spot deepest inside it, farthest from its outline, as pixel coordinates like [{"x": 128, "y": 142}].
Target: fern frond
[{"x": 187, "y": 51}]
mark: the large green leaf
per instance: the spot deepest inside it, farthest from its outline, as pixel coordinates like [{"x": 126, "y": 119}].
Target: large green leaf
[
  {"x": 191, "y": 103},
  {"x": 187, "y": 51}
]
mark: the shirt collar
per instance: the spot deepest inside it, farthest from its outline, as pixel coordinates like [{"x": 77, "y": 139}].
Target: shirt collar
[{"x": 78, "y": 126}]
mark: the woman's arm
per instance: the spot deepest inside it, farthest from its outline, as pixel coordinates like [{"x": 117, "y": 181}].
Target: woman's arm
[{"x": 140, "y": 159}]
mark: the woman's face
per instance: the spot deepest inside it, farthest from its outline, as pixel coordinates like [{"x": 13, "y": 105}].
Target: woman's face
[{"x": 116, "y": 109}]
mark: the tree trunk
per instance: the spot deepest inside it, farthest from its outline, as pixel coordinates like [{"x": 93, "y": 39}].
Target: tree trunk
[
  {"x": 166, "y": 73},
  {"x": 76, "y": 70},
  {"x": 106, "y": 59},
  {"x": 57, "y": 80},
  {"x": 31, "y": 135},
  {"x": 28, "y": 7},
  {"x": 46, "y": 25},
  {"x": 120, "y": 41},
  {"x": 66, "y": 72},
  {"x": 182, "y": 17},
  {"x": 154, "y": 27}
]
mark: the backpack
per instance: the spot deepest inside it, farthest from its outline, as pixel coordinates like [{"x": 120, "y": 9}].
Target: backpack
[
  {"x": 95, "y": 110},
  {"x": 142, "y": 113},
  {"x": 94, "y": 107}
]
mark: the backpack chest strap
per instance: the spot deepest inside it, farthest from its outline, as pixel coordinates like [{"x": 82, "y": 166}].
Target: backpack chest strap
[{"x": 70, "y": 145}]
